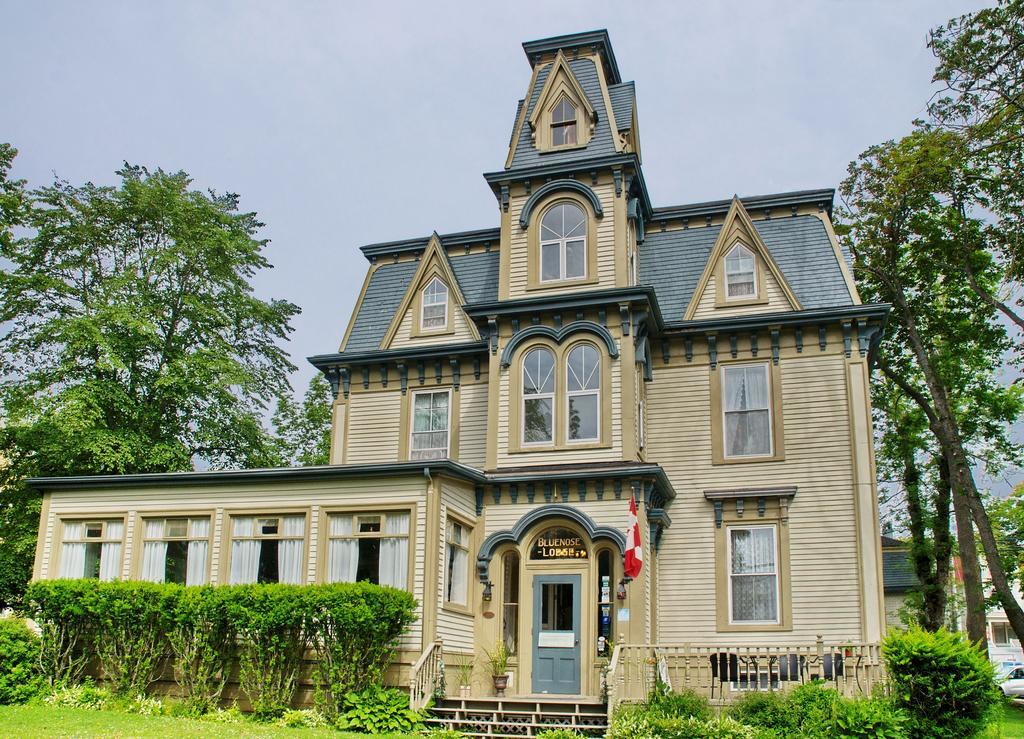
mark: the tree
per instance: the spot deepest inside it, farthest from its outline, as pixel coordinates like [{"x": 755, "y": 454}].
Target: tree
[
  {"x": 905, "y": 213},
  {"x": 134, "y": 342},
  {"x": 302, "y": 431}
]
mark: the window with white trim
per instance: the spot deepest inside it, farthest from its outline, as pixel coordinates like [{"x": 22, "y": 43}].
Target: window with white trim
[
  {"x": 563, "y": 243},
  {"x": 753, "y": 575},
  {"x": 740, "y": 277},
  {"x": 1001, "y": 634},
  {"x": 431, "y": 420},
  {"x": 371, "y": 547},
  {"x": 434, "y": 306},
  {"x": 746, "y": 406},
  {"x": 538, "y": 396},
  {"x": 268, "y": 549},
  {"x": 563, "y": 123},
  {"x": 583, "y": 390},
  {"x": 92, "y": 549},
  {"x": 176, "y": 550},
  {"x": 456, "y": 563}
]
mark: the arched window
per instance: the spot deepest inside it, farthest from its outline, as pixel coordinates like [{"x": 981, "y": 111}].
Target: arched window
[
  {"x": 563, "y": 124},
  {"x": 563, "y": 243},
  {"x": 583, "y": 388},
  {"x": 434, "y": 311},
  {"x": 538, "y": 396},
  {"x": 740, "y": 279}
]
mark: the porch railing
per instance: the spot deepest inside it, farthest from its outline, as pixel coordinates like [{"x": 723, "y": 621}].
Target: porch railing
[
  {"x": 426, "y": 675},
  {"x": 723, "y": 673}
]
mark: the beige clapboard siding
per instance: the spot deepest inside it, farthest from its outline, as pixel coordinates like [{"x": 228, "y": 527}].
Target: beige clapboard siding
[
  {"x": 473, "y": 425},
  {"x": 777, "y": 300},
  {"x": 822, "y": 519},
  {"x": 456, "y": 628},
  {"x": 403, "y": 336},
  {"x": 221, "y": 500},
  {"x": 506, "y": 459},
  {"x": 605, "y": 241},
  {"x": 373, "y": 427},
  {"x": 607, "y": 512}
]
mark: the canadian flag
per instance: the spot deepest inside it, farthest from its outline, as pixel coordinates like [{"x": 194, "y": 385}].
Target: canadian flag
[{"x": 634, "y": 551}]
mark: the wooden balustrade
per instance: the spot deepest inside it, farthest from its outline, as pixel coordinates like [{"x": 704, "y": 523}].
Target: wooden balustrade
[
  {"x": 723, "y": 672},
  {"x": 426, "y": 675}
]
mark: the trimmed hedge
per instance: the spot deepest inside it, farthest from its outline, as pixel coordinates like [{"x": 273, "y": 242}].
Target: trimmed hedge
[
  {"x": 19, "y": 662},
  {"x": 943, "y": 681},
  {"x": 131, "y": 628}
]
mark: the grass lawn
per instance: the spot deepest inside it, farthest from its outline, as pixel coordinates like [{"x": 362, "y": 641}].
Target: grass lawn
[
  {"x": 41, "y": 720},
  {"x": 1010, "y": 725}
]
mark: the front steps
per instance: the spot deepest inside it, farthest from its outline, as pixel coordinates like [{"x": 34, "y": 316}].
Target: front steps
[{"x": 519, "y": 716}]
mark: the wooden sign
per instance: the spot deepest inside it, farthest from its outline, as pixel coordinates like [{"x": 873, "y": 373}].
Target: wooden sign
[{"x": 559, "y": 543}]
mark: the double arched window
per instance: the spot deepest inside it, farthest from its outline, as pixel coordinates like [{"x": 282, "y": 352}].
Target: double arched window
[
  {"x": 563, "y": 243},
  {"x": 579, "y": 394}
]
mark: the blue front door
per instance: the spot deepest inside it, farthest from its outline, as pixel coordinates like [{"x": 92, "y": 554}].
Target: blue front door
[{"x": 556, "y": 634}]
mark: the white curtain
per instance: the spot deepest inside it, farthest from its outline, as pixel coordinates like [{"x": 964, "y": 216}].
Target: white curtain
[
  {"x": 754, "y": 578},
  {"x": 289, "y": 551},
  {"x": 457, "y": 565},
  {"x": 394, "y": 552},
  {"x": 110, "y": 552},
  {"x": 154, "y": 553},
  {"x": 198, "y": 548},
  {"x": 343, "y": 554},
  {"x": 245, "y": 553},
  {"x": 746, "y": 410},
  {"x": 72, "y": 556}
]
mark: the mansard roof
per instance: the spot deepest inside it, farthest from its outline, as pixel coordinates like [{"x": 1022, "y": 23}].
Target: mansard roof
[
  {"x": 623, "y": 97},
  {"x": 672, "y": 262}
]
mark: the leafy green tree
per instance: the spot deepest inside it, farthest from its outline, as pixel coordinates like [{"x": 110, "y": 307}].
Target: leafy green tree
[
  {"x": 905, "y": 212},
  {"x": 302, "y": 431},
  {"x": 133, "y": 340}
]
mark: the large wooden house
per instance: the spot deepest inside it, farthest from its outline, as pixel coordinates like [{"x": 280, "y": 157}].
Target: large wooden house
[{"x": 502, "y": 394}]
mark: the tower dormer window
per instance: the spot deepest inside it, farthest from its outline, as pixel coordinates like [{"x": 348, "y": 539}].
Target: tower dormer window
[
  {"x": 434, "y": 312},
  {"x": 563, "y": 243},
  {"x": 740, "y": 280},
  {"x": 563, "y": 124}
]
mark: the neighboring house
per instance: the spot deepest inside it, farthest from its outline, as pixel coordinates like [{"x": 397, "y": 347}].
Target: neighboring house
[
  {"x": 1004, "y": 648},
  {"x": 502, "y": 393},
  {"x": 898, "y": 577}
]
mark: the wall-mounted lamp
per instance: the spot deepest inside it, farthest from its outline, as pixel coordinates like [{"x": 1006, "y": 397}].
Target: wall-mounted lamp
[
  {"x": 488, "y": 589},
  {"x": 620, "y": 593}
]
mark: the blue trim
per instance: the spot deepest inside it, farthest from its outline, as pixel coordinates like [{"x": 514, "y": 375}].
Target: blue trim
[
  {"x": 554, "y": 510},
  {"x": 556, "y": 186},
  {"x": 558, "y": 335}
]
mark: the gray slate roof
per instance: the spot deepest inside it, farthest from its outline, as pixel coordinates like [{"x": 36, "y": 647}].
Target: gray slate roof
[
  {"x": 897, "y": 572},
  {"x": 673, "y": 261},
  {"x": 622, "y": 97},
  {"x": 601, "y": 143},
  {"x": 477, "y": 275}
]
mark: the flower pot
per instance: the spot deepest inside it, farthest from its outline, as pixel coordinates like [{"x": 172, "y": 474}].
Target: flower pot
[
  {"x": 500, "y": 683},
  {"x": 464, "y": 691}
]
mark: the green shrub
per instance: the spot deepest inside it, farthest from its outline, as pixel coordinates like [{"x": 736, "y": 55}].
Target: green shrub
[
  {"x": 85, "y": 695},
  {"x": 944, "y": 683},
  {"x": 19, "y": 662},
  {"x": 868, "y": 718},
  {"x": 354, "y": 630},
  {"x": 202, "y": 637},
  {"x": 770, "y": 710},
  {"x": 308, "y": 718},
  {"x": 65, "y": 613},
  {"x": 663, "y": 702},
  {"x": 639, "y": 722},
  {"x": 378, "y": 710},
  {"x": 270, "y": 621},
  {"x": 131, "y": 624}
]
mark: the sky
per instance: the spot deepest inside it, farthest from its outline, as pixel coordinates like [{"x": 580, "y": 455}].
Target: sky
[{"x": 343, "y": 124}]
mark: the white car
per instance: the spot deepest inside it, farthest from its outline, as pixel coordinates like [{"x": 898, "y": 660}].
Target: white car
[{"x": 1012, "y": 682}]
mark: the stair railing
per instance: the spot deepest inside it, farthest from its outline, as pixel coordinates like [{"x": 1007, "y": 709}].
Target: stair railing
[{"x": 426, "y": 675}]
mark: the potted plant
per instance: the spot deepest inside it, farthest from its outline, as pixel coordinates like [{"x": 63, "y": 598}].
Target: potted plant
[
  {"x": 464, "y": 672},
  {"x": 498, "y": 662}
]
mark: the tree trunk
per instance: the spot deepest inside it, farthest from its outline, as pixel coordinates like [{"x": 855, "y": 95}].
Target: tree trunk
[
  {"x": 947, "y": 433},
  {"x": 943, "y": 540},
  {"x": 933, "y": 594},
  {"x": 974, "y": 623}
]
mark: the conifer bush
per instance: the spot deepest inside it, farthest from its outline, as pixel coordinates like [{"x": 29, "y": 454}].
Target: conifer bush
[{"x": 20, "y": 679}]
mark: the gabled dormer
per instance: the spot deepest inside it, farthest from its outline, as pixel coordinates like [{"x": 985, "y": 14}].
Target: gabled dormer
[
  {"x": 431, "y": 309},
  {"x": 563, "y": 117}
]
